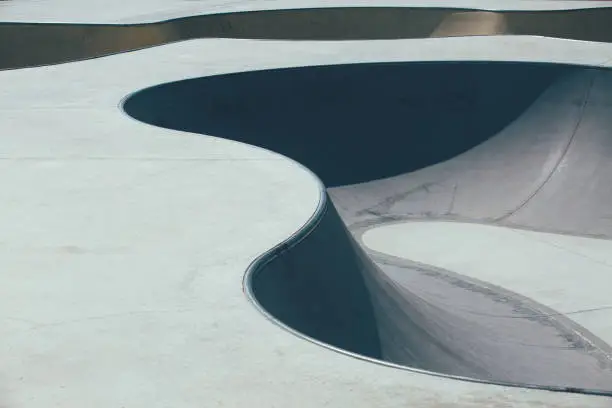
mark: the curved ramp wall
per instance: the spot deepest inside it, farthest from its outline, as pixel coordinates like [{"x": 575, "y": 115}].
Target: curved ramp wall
[
  {"x": 354, "y": 124},
  {"x": 379, "y": 119},
  {"x": 315, "y": 285}
]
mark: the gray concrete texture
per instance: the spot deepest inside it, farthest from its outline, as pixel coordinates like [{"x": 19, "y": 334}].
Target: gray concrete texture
[
  {"x": 509, "y": 144},
  {"x": 477, "y": 142}
]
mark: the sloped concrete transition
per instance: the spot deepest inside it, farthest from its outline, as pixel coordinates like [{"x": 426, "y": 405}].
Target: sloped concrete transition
[
  {"x": 392, "y": 141},
  {"x": 30, "y": 44}
]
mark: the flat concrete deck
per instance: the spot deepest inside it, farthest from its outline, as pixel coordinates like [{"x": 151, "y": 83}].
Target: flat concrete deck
[{"x": 124, "y": 245}]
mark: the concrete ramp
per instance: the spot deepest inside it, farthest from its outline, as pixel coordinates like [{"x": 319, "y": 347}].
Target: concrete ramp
[
  {"x": 546, "y": 170},
  {"x": 497, "y": 143},
  {"x": 549, "y": 171}
]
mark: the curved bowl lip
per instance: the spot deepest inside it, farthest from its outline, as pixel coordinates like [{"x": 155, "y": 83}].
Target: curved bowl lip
[{"x": 258, "y": 264}]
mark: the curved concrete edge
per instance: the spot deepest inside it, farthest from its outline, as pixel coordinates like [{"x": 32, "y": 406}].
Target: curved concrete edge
[
  {"x": 316, "y": 289},
  {"x": 322, "y": 287},
  {"x": 313, "y": 285},
  {"x": 37, "y": 44}
]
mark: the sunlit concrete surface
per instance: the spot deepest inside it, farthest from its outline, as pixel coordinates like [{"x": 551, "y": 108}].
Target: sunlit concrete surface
[
  {"x": 544, "y": 169},
  {"x": 569, "y": 274},
  {"x": 124, "y": 245}
]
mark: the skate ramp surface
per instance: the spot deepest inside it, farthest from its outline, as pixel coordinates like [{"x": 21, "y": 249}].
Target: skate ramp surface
[
  {"x": 125, "y": 245},
  {"x": 472, "y": 142}
]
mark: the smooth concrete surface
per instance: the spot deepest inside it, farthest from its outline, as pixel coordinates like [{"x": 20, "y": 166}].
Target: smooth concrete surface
[
  {"x": 125, "y": 244},
  {"x": 546, "y": 170},
  {"x": 326, "y": 115},
  {"x": 538, "y": 265}
]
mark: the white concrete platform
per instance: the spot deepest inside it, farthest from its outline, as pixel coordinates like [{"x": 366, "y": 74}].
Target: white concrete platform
[{"x": 123, "y": 246}]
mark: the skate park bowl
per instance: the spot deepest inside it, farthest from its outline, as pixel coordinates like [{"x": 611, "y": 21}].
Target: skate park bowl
[
  {"x": 366, "y": 130},
  {"x": 28, "y": 44},
  {"x": 315, "y": 219}
]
